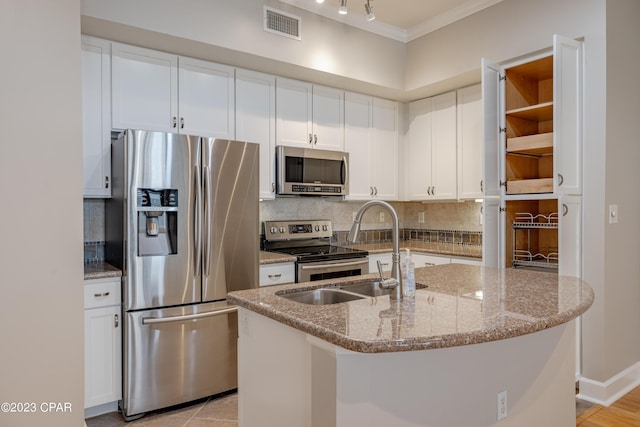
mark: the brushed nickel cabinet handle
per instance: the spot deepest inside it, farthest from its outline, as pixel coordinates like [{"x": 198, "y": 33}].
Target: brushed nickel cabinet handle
[
  {"x": 106, "y": 182},
  {"x": 181, "y": 122},
  {"x": 174, "y": 121},
  {"x": 275, "y": 276},
  {"x": 116, "y": 321},
  {"x": 561, "y": 179},
  {"x": 104, "y": 294}
]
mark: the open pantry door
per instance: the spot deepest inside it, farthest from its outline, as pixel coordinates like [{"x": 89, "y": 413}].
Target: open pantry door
[{"x": 493, "y": 143}]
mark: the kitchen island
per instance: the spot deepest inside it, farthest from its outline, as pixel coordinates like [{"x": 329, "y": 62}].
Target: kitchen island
[{"x": 440, "y": 359}]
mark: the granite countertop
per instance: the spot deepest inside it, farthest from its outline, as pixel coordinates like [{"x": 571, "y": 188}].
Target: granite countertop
[
  {"x": 461, "y": 305},
  {"x": 100, "y": 270},
  {"x": 451, "y": 249},
  {"x": 275, "y": 257}
]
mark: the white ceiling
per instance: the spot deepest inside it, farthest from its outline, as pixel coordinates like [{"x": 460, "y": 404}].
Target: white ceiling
[{"x": 402, "y": 20}]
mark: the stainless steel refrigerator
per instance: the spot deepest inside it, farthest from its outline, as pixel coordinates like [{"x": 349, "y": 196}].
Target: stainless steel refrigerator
[{"x": 183, "y": 226}]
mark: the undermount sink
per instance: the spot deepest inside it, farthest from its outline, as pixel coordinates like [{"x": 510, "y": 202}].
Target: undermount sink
[
  {"x": 369, "y": 288},
  {"x": 322, "y": 296}
]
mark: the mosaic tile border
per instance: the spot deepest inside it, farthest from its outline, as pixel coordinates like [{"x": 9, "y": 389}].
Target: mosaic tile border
[{"x": 472, "y": 238}]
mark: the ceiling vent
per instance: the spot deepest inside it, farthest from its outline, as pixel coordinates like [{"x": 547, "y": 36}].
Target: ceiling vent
[{"x": 281, "y": 23}]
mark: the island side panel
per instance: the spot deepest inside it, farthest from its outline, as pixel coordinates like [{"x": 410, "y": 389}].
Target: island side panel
[
  {"x": 458, "y": 386},
  {"x": 273, "y": 373},
  {"x": 288, "y": 378}
]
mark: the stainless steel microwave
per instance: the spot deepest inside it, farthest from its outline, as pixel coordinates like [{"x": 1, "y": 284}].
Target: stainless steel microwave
[{"x": 310, "y": 172}]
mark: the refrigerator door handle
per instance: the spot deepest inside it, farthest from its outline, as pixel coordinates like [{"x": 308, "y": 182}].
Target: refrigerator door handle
[
  {"x": 197, "y": 232},
  {"x": 207, "y": 220},
  {"x": 157, "y": 320}
]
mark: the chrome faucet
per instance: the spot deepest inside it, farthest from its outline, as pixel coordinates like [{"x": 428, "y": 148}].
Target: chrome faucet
[{"x": 395, "y": 282}]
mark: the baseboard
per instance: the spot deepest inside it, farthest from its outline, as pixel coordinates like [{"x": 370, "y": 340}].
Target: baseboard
[
  {"x": 605, "y": 393},
  {"x": 105, "y": 408}
]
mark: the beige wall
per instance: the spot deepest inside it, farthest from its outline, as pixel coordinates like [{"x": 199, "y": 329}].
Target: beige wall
[
  {"x": 226, "y": 31},
  {"x": 41, "y": 317},
  {"x": 622, "y": 242}
]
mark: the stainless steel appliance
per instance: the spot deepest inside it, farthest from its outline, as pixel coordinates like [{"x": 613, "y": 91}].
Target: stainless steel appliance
[
  {"x": 310, "y": 172},
  {"x": 183, "y": 226},
  {"x": 310, "y": 242}
]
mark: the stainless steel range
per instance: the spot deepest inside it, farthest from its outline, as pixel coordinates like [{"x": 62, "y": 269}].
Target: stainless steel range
[{"x": 310, "y": 242}]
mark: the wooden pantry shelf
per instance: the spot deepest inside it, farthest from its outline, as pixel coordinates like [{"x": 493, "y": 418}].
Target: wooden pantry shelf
[
  {"x": 537, "y": 145},
  {"x": 530, "y": 186},
  {"x": 539, "y": 112}
]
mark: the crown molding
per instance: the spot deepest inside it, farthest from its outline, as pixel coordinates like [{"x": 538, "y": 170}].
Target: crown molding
[{"x": 392, "y": 32}]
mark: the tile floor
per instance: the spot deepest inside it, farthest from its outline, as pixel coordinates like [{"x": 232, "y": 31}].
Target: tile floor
[{"x": 216, "y": 411}]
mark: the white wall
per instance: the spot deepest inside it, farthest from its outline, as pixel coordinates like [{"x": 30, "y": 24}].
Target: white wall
[{"x": 41, "y": 318}]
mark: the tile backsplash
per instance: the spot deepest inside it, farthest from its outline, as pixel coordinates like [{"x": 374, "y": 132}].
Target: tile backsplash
[{"x": 451, "y": 222}]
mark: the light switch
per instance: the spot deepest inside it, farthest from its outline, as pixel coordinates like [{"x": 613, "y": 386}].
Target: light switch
[{"x": 613, "y": 214}]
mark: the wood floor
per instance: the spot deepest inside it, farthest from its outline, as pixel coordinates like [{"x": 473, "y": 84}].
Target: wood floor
[{"x": 624, "y": 412}]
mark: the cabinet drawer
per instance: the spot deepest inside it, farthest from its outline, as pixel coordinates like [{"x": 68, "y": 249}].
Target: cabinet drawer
[
  {"x": 101, "y": 293},
  {"x": 277, "y": 274}
]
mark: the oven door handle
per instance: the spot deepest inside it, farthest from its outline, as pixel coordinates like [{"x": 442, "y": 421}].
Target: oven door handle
[{"x": 337, "y": 264}]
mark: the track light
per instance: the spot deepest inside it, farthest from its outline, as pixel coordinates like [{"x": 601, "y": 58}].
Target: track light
[
  {"x": 319, "y": 1},
  {"x": 343, "y": 7},
  {"x": 369, "y": 9}
]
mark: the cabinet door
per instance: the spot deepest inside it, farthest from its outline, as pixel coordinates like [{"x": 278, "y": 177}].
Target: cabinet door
[
  {"x": 469, "y": 141},
  {"x": 293, "y": 113},
  {"x": 385, "y": 260},
  {"x": 567, "y": 115},
  {"x": 443, "y": 147},
  {"x": 493, "y": 234},
  {"x": 206, "y": 99},
  {"x": 492, "y": 121},
  {"x": 144, "y": 89},
  {"x": 328, "y": 118},
  {"x": 96, "y": 117},
  {"x": 384, "y": 160},
  {"x": 357, "y": 142},
  {"x": 419, "y": 150},
  {"x": 255, "y": 121},
  {"x": 570, "y": 236},
  {"x": 102, "y": 352}
]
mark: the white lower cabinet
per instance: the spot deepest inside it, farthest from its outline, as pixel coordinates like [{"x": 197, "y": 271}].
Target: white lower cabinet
[
  {"x": 102, "y": 342},
  {"x": 277, "y": 274},
  {"x": 418, "y": 259},
  {"x": 422, "y": 260}
]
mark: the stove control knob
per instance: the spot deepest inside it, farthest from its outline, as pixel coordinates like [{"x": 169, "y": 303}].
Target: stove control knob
[
  {"x": 281, "y": 229},
  {"x": 272, "y": 230},
  {"x": 317, "y": 228},
  {"x": 325, "y": 227}
]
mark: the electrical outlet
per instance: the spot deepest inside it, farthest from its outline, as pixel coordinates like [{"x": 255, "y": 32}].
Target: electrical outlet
[
  {"x": 502, "y": 405},
  {"x": 421, "y": 217},
  {"x": 381, "y": 216}
]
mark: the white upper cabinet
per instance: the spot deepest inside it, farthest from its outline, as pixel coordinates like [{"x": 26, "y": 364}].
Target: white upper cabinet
[
  {"x": 96, "y": 117},
  {"x": 206, "y": 98},
  {"x": 256, "y": 121},
  {"x": 371, "y": 139},
  {"x": 358, "y": 143},
  {"x": 431, "y": 153},
  {"x": 158, "y": 91},
  {"x": 309, "y": 116},
  {"x": 469, "y": 136},
  {"x": 384, "y": 162},
  {"x": 144, "y": 89}
]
